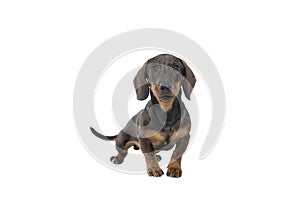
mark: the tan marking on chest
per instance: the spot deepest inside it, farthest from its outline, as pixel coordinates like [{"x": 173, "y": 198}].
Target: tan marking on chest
[
  {"x": 157, "y": 139},
  {"x": 179, "y": 134},
  {"x": 166, "y": 105}
]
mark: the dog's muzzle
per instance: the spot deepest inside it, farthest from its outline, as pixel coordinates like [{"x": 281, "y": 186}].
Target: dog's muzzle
[{"x": 165, "y": 91}]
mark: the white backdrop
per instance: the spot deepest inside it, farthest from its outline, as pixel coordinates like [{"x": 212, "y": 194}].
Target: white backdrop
[{"x": 255, "y": 46}]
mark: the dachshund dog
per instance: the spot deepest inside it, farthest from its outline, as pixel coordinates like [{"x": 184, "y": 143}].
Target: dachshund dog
[{"x": 165, "y": 121}]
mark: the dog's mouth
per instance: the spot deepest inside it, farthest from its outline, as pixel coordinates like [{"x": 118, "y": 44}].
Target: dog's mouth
[{"x": 166, "y": 97}]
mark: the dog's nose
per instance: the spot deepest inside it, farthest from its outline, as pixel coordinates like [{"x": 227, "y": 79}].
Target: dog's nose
[{"x": 165, "y": 88}]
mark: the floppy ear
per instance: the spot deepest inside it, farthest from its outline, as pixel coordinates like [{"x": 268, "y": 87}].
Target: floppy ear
[
  {"x": 140, "y": 84},
  {"x": 189, "y": 81}
]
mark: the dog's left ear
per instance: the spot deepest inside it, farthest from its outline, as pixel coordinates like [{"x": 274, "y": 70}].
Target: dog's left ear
[
  {"x": 140, "y": 84},
  {"x": 189, "y": 81}
]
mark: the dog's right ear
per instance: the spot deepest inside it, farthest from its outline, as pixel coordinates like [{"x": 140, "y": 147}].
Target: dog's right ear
[
  {"x": 189, "y": 82},
  {"x": 140, "y": 84}
]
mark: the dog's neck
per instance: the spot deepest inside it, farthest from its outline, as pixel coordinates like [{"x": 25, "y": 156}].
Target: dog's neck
[{"x": 173, "y": 114}]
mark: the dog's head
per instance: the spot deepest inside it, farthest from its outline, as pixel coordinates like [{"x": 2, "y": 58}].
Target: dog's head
[{"x": 164, "y": 75}]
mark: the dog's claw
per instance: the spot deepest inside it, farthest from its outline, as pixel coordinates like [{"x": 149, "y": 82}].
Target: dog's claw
[
  {"x": 156, "y": 172},
  {"x": 174, "y": 172},
  {"x": 116, "y": 160},
  {"x": 158, "y": 158}
]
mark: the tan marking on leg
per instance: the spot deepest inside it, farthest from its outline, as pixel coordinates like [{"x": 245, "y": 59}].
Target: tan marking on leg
[
  {"x": 153, "y": 168},
  {"x": 130, "y": 144},
  {"x": 174, "y": 168}
]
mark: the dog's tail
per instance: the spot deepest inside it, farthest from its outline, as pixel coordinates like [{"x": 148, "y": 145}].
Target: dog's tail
[{"x": 103, "y": 137}]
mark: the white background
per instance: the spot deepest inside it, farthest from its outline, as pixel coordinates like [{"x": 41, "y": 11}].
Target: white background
[{"x": 255, "y": 46}]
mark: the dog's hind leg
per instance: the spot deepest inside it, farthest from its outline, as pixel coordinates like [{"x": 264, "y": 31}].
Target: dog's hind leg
[
  {"x": 118, "y": 159},
  {"x": 122, "y": 144}
]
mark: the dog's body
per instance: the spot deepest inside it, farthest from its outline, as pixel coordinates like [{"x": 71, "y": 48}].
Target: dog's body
[{"x": 164, "y": 122}]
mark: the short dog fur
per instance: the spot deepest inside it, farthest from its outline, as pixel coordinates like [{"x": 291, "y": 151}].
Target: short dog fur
[{"x": 165, "y": 121}]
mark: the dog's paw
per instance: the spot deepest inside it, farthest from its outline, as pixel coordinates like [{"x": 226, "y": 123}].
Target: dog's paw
[
  {"x": 174, "y": 172},
  {"x": 158, "y": 158},
  {"x": 155, "y": 172},
  {"x": 116, "y": 160}
]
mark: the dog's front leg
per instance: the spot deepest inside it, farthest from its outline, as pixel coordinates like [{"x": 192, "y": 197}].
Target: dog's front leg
[
  {"x": 174, "y": 167},
  {"x": 153, "y": 168}
]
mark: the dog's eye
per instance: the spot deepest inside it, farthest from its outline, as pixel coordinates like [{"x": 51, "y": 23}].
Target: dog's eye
[
  {"x": 154, "y": 68},
  {"x": 176, "y": 67}
]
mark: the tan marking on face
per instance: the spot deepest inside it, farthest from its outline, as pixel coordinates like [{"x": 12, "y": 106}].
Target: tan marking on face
[
  {"x": 176, "y": 87},
  {"x": 164, "y": 104}
]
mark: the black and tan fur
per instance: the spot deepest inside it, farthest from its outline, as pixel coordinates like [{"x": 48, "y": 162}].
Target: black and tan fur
[{"x": 165, "y": 121}]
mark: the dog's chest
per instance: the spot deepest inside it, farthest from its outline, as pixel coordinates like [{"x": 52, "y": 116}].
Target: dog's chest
[{"x": 163, "y": 140}]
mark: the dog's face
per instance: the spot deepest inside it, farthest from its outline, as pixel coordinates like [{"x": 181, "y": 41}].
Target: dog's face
[{"x": 164, "y": 75}]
